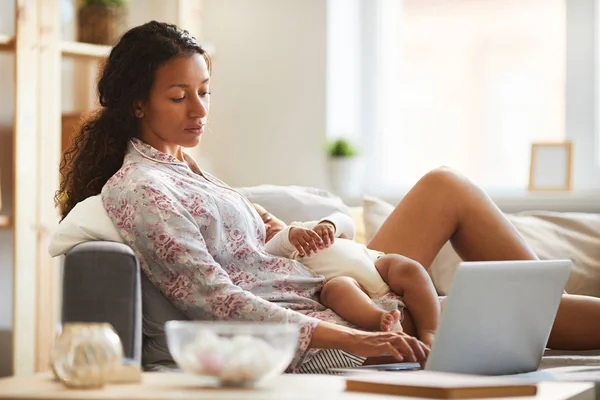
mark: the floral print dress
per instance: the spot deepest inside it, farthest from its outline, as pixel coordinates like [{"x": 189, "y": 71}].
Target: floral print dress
[{"x": 202, "y": 245}]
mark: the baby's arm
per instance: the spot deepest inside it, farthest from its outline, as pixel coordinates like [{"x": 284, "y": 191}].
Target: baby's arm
[
  {"x": 343, "y": 224},
  {"x": 294, "y": 241},
  {"x": 280, "y": 244}
]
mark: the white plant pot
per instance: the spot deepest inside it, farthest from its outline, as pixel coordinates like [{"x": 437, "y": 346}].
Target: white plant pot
[{"x": 346, "y": 176}]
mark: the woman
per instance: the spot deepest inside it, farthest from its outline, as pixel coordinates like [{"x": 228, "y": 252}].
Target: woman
[{"x": 202, "y": 244}]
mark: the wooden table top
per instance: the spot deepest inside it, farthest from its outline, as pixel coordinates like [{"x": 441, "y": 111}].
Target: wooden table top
[{"x": 176, "y": 386}]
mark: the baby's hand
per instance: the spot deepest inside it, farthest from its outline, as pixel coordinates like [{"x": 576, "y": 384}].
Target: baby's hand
[
  {"x": 326, "y": 231},
  {"x": 305, "y": 240}
]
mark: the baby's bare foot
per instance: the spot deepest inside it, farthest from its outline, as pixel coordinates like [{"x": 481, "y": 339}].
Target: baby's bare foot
[{"x": 390, "y": 322}]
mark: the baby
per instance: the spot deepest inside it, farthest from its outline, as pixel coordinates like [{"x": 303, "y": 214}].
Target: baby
[{"x": 354, "y": 273}]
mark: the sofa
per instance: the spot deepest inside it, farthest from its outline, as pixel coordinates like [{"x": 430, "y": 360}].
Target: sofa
[{"x": 102, "y": 279}]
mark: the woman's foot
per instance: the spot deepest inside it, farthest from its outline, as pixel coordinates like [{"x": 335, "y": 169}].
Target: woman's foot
[
  {"x": 427, "y": 337},
  {"x": 390, "y": 322}
]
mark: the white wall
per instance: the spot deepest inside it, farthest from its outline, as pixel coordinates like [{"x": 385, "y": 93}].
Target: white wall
[{"x": 267, "y": 121}]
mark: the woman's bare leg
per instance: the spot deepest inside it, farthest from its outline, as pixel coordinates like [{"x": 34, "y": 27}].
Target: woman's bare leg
[
  {"x": 445, "y": 206},
  {"x": 347, "y": 299},
  {"x": 577, "y": 324}
]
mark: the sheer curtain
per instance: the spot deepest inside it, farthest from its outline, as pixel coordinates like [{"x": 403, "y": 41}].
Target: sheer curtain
[{"x": 464, "y": 83}]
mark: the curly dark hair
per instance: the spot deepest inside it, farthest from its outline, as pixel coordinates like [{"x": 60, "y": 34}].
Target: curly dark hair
[{"x": 98, "y": 150}]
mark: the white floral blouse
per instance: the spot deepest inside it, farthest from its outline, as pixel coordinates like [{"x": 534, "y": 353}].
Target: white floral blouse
[{"x": 203, "y": 245}]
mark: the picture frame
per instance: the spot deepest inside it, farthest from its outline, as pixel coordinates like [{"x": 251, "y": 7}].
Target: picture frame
[{"x": 551, "y": 166}]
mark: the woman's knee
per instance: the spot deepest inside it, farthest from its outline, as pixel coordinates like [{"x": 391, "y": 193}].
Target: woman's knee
[
  {"x": 442, "y": 177},
  {"x": 334, "y": 286},
  {"x": 450, "y": 186}
]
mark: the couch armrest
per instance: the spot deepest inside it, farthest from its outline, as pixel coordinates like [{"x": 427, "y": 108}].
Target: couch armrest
[{"x": 101, "y": 283}]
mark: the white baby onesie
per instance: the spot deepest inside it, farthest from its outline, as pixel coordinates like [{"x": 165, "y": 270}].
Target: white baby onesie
[{"x": 344, "y": 257}]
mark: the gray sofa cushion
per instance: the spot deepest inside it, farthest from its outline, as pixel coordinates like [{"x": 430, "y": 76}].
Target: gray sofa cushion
[
  {"x": 101, "y": 283},
  {"x": 157, "y": 311}
]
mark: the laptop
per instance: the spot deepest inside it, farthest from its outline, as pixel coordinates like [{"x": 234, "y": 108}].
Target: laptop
[{"x": 496, "y": 318}]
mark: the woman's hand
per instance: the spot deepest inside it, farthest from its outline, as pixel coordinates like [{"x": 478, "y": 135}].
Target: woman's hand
[
  {"x": 398, "y": 345},
  {"x": 305, "y": 240},
  {"x": 326, "y": 231}
]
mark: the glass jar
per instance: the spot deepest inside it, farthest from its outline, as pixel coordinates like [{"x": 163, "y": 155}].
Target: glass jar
[{"x": 86, "y": 355}]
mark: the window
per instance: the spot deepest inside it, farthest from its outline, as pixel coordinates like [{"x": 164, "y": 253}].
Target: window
[{"x": 464, "y": 83}]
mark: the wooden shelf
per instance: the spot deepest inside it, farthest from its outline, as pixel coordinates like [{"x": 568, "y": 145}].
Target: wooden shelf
[
  {"x": 84, "y": 50},
  {"x": 5, "y": 222},
  {"x": 67, "y": 48},
  {"x": 7, "y": 42}
]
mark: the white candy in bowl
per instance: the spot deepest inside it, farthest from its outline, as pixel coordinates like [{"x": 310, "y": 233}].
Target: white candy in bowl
[{"x": 234, "y": 353}]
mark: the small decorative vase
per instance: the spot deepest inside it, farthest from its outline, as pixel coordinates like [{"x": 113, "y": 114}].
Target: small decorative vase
[
  {"x": 346, "y": 176},
  {"x": 85, "y": 355}
]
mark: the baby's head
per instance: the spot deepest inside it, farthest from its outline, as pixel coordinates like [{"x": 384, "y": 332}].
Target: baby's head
[{"x": 272, "y": 223}]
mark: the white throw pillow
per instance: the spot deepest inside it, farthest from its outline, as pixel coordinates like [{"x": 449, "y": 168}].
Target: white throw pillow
[
  {"x": 295, "y": 203},
  {"x": 375, "y": 212},
  {"x": 87, "y": 221},
  {"x": 565, "y": 235}
]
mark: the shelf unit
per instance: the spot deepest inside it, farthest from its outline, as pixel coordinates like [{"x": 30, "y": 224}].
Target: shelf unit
[
  {"x": 37, "y": 144},
  {"x": 38, "y": 138}
]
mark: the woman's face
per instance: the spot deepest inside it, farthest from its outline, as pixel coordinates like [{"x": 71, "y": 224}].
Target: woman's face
[{"x": 177, "y": 108}]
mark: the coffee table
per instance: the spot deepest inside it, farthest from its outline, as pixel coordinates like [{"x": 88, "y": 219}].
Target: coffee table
[{"x": 176, "y": 386}]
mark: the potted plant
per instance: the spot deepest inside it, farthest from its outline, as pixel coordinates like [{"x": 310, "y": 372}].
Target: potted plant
[
  {"x": 346, "y": 168},
  {"x": 102, "y": 21}
]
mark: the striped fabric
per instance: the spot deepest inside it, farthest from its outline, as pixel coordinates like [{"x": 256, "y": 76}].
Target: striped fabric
[{"x": 324, "y": 360}]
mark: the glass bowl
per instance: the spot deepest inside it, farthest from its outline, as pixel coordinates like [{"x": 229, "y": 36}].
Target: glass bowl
[{"x": 232, "y": 353}]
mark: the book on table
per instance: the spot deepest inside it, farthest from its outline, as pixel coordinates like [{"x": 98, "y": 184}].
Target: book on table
[{"x": 438, "y": 385}]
